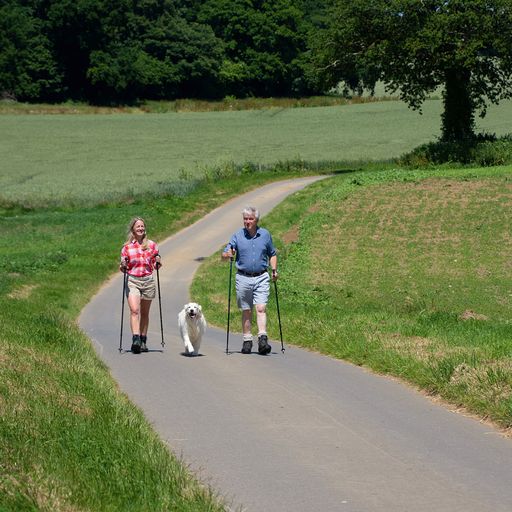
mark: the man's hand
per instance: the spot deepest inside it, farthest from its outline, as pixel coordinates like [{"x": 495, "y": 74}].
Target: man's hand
[
  {"x": 274, "y": 274},
  {"x": 229, "y": 254}
]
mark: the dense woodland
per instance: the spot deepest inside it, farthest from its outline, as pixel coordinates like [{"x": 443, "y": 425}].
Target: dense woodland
[{"x": 111, "y": 51}]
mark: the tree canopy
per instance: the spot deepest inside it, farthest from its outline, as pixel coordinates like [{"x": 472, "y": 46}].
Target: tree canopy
[
  {"x": 115, "y": 51},
  {"x": 415, "y": 46}
]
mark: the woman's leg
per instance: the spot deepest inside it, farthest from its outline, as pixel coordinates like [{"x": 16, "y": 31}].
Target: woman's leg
[
  {"x": 145, "y": 305},
  {"x": 135, "y": 308}
]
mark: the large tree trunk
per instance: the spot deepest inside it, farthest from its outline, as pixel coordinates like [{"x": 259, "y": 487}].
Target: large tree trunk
[{"x": 458, "y": 116}]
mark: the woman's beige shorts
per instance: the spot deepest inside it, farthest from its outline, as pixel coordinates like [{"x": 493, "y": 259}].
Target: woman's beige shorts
[{"x": 144, "y": 287}]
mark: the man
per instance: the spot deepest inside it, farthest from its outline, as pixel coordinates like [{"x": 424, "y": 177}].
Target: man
[{"x": 253, "y": 250}]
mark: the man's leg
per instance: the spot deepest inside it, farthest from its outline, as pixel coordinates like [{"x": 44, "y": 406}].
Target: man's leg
[
  {"x": 261, "y": 319},
  {"x": 261, "y": 293},
  {"x": 246, "y": 330}
]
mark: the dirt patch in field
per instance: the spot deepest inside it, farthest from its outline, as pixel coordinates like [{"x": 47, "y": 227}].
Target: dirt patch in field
[{"x": 292, "y": 235}]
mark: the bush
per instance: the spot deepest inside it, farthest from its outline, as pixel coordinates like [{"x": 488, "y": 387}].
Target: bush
[{"x": 485, "y": 150}]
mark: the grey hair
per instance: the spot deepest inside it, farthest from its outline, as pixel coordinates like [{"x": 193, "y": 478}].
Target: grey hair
[{"x": 251, "y": 210}]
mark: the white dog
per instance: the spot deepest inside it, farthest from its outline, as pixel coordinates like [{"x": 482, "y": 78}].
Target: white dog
[{"x": 192, "y": 326}]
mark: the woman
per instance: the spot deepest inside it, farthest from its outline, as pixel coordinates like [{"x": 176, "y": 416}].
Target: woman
[{"x": 139, "y": 256}]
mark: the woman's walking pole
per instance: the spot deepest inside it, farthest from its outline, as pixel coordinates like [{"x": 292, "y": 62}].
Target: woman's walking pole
[
  {"x": 279, "y": 318},
  {"x": 229, "y": 301},
  {"x": 125, "y": 278},
  {"x": 160, "y": 304}
]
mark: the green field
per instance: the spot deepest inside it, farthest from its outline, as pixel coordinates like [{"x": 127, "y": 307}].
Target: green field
[
  {"x": 406, "y": 272},
  {"x": 414, "y": 264},
  {"x": 86, "y": 159}
]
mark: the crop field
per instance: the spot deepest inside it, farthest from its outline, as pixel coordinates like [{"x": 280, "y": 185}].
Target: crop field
[{"x": 91, "y": 159}]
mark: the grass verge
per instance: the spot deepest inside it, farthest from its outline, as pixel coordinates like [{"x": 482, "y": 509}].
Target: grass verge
[
  {"x": 69, "y": 439},
  {"x": 405, "y": 272}
]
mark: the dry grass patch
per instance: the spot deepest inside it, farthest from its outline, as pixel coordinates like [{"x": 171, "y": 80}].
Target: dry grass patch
[
  {"x": 23, "y": 292},
  {"x": 482, "y": 380},
  {"x": 471, "y": 315}
]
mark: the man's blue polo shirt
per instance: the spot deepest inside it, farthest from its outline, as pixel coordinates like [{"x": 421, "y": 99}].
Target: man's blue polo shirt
[{"x": 252, "y": 253}]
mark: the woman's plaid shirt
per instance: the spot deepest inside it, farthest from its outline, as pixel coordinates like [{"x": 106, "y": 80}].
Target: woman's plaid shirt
[{"x": 140, "y": 262}]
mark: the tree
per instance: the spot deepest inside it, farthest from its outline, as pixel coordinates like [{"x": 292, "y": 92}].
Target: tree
[
  {"x": 415, "y": 46},
  {"x": 264, "y": 42},
  {"x": 28, "y": 70},
  {"x": 122, "y": 50}
]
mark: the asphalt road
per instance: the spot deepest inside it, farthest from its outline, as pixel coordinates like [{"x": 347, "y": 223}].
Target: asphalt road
[{"x": 295, "y": 431}]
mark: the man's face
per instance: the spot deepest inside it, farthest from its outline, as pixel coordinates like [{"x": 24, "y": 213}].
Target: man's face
[{"x": 249, "y": 222}]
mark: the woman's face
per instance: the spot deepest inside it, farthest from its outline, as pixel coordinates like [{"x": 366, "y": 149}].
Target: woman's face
[{"x": 139, "y": 229}]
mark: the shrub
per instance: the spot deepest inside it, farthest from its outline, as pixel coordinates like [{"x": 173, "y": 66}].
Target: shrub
[{"x": 485, "y": 150}]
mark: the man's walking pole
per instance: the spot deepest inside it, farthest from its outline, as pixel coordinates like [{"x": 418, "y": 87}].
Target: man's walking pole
[
  {"x": 279, "y": 318},
  {"x": 229, "y": 301},
  {"x": 160, "y": 303},
  {"x": 125, "y": 278}
]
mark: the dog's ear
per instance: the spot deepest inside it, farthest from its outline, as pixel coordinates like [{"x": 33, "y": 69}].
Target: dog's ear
[{"x": 199, "y": 307}]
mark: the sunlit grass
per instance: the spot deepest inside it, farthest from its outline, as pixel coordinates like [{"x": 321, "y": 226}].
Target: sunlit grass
[
  {"x": 405, "y": 272},
  {"x": 69, "y": 439},
  {"x": 52, "y": 160},
  {"x": 84, "y": 159}
]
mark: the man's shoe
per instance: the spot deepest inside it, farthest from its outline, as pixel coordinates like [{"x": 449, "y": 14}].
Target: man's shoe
[
  {"x": 143, "y": 346},
  {"x": 247, "y": 347},
  {"x": 263, "y": 347},
  {"x": 136, "y": 344}
]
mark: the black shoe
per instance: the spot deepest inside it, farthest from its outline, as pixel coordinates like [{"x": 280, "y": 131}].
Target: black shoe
[
  {"x": 136, "y": 344},
  {"x": 263, "y": 347},
  {"x": 143, "y": 346},
  {"x": 247, "y": 347}
]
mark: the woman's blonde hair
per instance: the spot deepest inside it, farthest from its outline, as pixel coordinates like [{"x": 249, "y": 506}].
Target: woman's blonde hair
[{"x": 130, "y": 235}]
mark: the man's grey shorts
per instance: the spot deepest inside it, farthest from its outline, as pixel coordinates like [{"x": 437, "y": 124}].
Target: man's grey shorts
[{"x": 252, "y": 290}]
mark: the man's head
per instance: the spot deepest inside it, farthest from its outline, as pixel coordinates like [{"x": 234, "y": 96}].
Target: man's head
[{"x": 251, "y": 216}]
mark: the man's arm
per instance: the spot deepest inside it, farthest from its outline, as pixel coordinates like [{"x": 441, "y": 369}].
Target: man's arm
[{"x": 273, "y": 266}]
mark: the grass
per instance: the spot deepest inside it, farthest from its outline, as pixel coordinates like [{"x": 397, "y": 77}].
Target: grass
[
  {"x": 117, "y": 156},
  {"x": 414, "y": 270},
  {"x": 52, "y": 160},
  {"x": 69, "y": 439}
]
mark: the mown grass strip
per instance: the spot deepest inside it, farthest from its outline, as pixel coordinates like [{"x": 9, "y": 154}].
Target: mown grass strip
[{"x": 406, "y": 272}]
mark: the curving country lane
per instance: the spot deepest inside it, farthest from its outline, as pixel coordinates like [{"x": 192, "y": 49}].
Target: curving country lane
[{"x": 295, "y": 431}]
